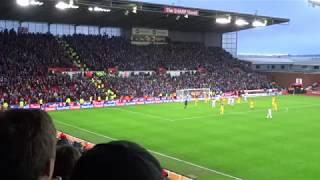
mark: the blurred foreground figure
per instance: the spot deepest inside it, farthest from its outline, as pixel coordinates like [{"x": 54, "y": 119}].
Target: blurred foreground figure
[
  {"x": 118, "y": 160},
  {"x": 28, "y": 145}
]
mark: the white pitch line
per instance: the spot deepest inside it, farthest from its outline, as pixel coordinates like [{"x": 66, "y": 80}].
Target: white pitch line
[
  {"x": 217, "y": 115},
  {"x": 144, "y": 114},
  {"x": 212, "y": 115},
  {"x": 154, "y": 152},
  {"x": 246, "y": 112}
]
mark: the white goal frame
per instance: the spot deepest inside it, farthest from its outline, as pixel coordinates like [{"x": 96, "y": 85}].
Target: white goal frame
[{"x": 195, "y": 93}]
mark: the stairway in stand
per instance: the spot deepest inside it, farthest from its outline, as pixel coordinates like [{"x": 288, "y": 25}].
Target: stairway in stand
[
  {"x": 104, "y": 92},
  {"x": 73, "y": 55}
]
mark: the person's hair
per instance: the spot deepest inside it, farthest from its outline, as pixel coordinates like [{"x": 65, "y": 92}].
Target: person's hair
[
  {"x": 118, "y": 160},
  {"x": 28, "y": 140},
  {"x": 66, "y": 158}
]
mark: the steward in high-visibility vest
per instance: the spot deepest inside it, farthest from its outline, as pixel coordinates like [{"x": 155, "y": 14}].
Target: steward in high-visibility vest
[
  {"x": 68, "y": 101},
  {"x": 5, "y": 106},
  {"x": 21, "y": 104},
  {"x": 81, "y": 101}
]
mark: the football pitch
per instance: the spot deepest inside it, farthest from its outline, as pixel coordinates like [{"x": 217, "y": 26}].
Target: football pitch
[{"x": 197, "y": 141}]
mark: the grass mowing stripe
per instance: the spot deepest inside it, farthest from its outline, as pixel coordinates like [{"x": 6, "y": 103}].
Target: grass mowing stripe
[{"x": 154, "y": 152}]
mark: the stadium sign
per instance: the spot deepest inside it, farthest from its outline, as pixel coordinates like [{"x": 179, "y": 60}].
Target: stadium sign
[
  {"x": 146, "y": 36},
  {"x": 142, "y": 31},
  {"x": 34, "y": 106},
  {"x": 150, "y": 32},
  {"x": 140, "y": 102},
  {"x": 130, "y": 103},
  {"x": 14, "y": 107},
  {"x": 86, "y": 106},
  {"x": 181, "y": 11},
  {"x": 109, "y": 104},
  {"x": 60, "y": 108},
  {"x": 48, "y": 109},
  {"x": 120, "y": 104},
  {"x": 75, "y": 107}
]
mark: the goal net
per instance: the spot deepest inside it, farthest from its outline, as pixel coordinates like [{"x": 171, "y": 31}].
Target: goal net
[{"x": 193, "y": 93}]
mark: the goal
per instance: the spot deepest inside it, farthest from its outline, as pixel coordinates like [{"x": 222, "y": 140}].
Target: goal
[{"x": 193, "y": 93}]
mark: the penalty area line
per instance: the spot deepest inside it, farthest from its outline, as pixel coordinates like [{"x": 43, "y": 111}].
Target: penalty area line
[
  {"x": 154, "y": 152},
  {"x": 144, "y": 114}
]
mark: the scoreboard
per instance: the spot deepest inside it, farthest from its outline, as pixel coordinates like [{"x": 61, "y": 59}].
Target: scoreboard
[{"x": 145, "y": 36}]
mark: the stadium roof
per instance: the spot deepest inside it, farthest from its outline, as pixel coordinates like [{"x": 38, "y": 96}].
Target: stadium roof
[
  {"x": 148, "y": 15},
  {"x": 305, "y": 60}
]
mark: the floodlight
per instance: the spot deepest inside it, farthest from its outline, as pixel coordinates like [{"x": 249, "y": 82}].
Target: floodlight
[
  {"x": 241, "y": 22},
  {"x": 134, "y": 10},
  {"x": 259, "y": 23},
  {"x": 126, "y": 13},
  {"x": 223, "y": 19},
  {"x": 73, "y": 7},
  {"x": 23, "y": 3},
  {"x": 178, "y": 17},
  {"x": 62, "y": 5},
  {"x": 36, "y": 3},
  {"x": 98, "y": 9},
  {"x": 186, "y": 16}
]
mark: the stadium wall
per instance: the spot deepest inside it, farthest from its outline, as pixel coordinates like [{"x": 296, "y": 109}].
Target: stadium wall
[
  {"x": 210, "y": 39},
  {"x": 271, "y": 67},
  {"x": 285, "y": 68},
  {"x": 126, "y": 33},
  {"x": 286, "y": 79}
]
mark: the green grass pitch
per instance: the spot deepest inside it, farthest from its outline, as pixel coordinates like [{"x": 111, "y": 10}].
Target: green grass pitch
[{"x": 198, "y": 141}]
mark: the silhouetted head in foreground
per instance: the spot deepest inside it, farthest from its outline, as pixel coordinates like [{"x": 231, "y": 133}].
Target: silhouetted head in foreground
[
  {"x": 28, "y": 142},
  {"x": 118, "y": 160},
  {"x": 66, "y": 158}
]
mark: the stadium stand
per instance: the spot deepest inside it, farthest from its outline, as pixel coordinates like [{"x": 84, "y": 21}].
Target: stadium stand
[
  {"x": 32, "y": 73},
  {"x": 24, "y": 63},
  {"x": 75, "y": 71},
  {"x": 101, "y": 52},
  {"x": 153, "y": 85}
]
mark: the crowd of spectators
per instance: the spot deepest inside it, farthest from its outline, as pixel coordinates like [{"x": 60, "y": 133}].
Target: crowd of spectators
[
  {"x": 153, "y": 84},
  {"x": 24, "y": 63},
  {"x": 26, "y": 58},
  {"x": 50, "y": 88},
  {"x": 102, "y": 52},
  {"x": 223, "y": 72}
]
